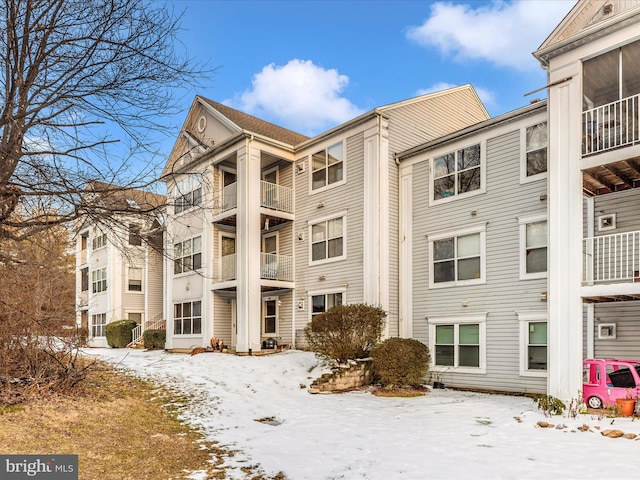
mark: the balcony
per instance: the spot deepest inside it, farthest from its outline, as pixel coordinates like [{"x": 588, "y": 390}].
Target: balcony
[
  {"x": 611, "y": 126},
  {"x": 229, "y": 197},
  {"x": 276, "y": 197},
  {"x": 612, "y": 258},
  {"x": 272, "y": 267}
]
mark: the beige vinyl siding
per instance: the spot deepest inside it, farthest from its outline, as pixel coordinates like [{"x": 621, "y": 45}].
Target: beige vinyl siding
[
  {"x": 154, "y": 288},
  {"x": 504, "y": 293},
  {"x": 222, "y": 322}
]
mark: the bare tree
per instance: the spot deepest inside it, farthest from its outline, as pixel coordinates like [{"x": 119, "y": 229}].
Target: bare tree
[{"x": 86, "y": 88}]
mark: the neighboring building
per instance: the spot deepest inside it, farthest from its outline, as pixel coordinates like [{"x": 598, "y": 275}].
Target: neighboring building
[
  {"x": 268, "y": 227},
  {"x": 473, "y": 259},
  {"x": 593, "y": 60},
  {"x": 119, "y": 265}
]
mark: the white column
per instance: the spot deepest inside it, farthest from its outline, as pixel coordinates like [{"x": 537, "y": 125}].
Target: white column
[
  {"x": 405, "y": 274},
  {"x": 565, "y": 237},
  {"x": 248, "y": 249}
]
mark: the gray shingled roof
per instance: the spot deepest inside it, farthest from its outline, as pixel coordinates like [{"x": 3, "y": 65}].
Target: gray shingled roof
[{"x": 256, "y": 125}]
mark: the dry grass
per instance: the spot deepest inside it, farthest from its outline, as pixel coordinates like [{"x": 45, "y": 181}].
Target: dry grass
[{"x": 120, "y": 427}]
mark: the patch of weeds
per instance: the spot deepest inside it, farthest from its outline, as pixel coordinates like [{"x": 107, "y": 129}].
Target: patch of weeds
[{"x": 550, "y": 405}]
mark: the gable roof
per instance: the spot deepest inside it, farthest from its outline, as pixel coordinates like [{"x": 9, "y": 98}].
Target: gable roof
[
  {"x": 587, "y": 18},
  {"x": 123, "y": 199}
]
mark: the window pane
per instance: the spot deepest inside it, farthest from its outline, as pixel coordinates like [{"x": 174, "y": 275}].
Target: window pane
[
  {"x": 177, "y": 326},
  {"x": 270, "y": 325},
  {"x": 443, "y": 249},
  {"x": 444, "y": 271},
  {"x": 334, "y": 299},
  {"x": 335, "y": 153},
  {"x": 537, "y": 162},
  {"x": 197, "y": 196},
  {"x": 444, "y": 187},
  {"x": 469, "y": 157},
  {"x": 444, "y": 165},
  {"x": 197, "y": 261},
  {"x": 228, "y": 246},
  {"x": 537, "y": 358},
  {"x": 318, "y": 251},
  {"x": 197, "y": 244},
  {"x": 318, "y": 161},
  {"x": 469, "y": 180},
  {"x": 538, "y": 333},
  {"x": 177, "y": 248},
  {"x": 318, "y": 232},
  {"x": 469, "y": 245},
  {"x": 318, "y": 303},
  {"x": 469, "y": 356},
  {"x": 444, "y": 334},
  {"x": 469, "y": 334},
  {"x": 177, "y": 310},
  {"x": 186, "y": 309},
  {"x": 335, "y": 173},
  {"x": 335, "y": 248},
  {"x": 197, "y": 309},
  {"x": 177, "y": 266},
  {"x": 469, "y": 268},
  {"x": 197, "y": 325},
  {"x": 537, "y": 234},
  {"x": 444, "y": 355},
  {"x": 318, "y": 179},
  {"x": 335, "y": 227},
  {"x": 186, "y": 326},
  {"x": 537, "y": 137},
  {"x": 536, "y": 260},
  {"x": 187, "y": 264}
]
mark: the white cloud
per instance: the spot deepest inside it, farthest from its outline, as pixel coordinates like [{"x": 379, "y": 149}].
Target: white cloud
[
  {"x": 487, "y": 96},
  {"x": 299, "y": 95},
  {"x": 504, "y": 33}
]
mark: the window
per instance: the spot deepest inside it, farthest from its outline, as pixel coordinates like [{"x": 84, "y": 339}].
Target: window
[
  {"x": 322, "y": 302},
  {"x": 327, "y": 166},
  {"x": 533, "y": 344},
  {"x": 535, "y": 150},
  {"x": 135, "y": 235},
  {"x": 457, "y": 258},
  {"x": 327, "y": 240},
  {"x": 187, "y": 318},
  {"x": 99, "y": 280},
  {"x": 533, "y": 246},
  {"x": 269, "y": 316},
  {"x": 98, "y": 324},
  {"x": 134, "y": 279},
  {"x": 99, "y": 241},
  {"x": 457, "y": 173},
  {"x": 188, "y": 194},
  {"x": 188, "y": 255},
  {"x": 135, "y": 316},
  {"x": 458, "y": 342},
  {"x": 84, "y": 279}
]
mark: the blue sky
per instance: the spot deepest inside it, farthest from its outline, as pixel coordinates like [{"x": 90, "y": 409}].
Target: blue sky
[{"x": 311, "y": 65}]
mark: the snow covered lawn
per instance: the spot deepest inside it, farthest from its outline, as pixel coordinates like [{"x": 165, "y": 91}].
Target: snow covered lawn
[{"x": 445, "y": 434}]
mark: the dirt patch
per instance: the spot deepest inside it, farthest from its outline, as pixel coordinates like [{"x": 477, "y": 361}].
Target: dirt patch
[{"x": 399, "y": 391}]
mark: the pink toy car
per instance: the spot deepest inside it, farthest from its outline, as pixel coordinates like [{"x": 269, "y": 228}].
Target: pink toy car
[{"x": 604, "y": 381}]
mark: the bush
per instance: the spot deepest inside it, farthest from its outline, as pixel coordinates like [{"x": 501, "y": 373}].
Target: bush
[
  {"x": 154, "y": 339},
  {"x": 398, "y": 362},
  {"x": 345, "y": 332},
  {"x": 119, "y": 333}
]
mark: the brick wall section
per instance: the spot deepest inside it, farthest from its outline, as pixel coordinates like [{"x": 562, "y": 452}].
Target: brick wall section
[{"x": 356, "y": 373}]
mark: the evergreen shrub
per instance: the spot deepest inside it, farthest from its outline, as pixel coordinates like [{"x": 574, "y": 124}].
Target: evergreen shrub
[
  {"x": 345, "y": 332},
  {"x": 399, "y": 362},
  {"x": 119, "y": 334},
  {"x": 154, "y": 339}
]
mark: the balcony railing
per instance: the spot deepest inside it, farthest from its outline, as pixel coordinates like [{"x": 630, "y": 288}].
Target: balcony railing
[
  {"x": 612, "y": 258},
  {"x": 276, "y": 197},
  {"x": 229, "y": 198},
  {"x": 276, "y": 267},
  {"x": 272, "y": 267},
  {"x": 611, "y": 126}
]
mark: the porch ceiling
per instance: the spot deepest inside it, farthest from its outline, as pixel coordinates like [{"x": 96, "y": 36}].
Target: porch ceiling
[
  {"x": 612, "y": 177},
  {"x": 611, "y": 298}
]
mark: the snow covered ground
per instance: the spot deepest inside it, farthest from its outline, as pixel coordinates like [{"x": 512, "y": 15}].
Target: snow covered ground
[{"x": 445, "y": 434}]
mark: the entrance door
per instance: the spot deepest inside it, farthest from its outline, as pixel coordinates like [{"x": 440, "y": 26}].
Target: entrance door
[
  {"x": 269, "y": 316},
  {"x": 270, "y": 188},
  {"x": 269, "y": 257}
]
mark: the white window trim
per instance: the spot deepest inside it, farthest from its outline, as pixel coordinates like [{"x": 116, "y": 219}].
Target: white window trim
[
  {"x": 188, "y": 185},
  {"x": 524, "y": 318},
  {"x": 201, "y": 252},
  {"x": 328, "y": 186},
  {"x": 223, "y": 233},
  {"x": 523, "y": 222},
  {"x": 173, "y": 318},
  {"x": 91, "y": 327},
  {"x": 275, "y": 234},
  {"x": 271, "y": 170},
  {"x": 315, "y": 221},
  {"x": 100, "y": 247},
  {"x": 262, "y": 326},
  {"x": 480, "y": 228},
  {"x": 483, "y": 173},
  {"x": 523, "y": 156},
  {"x": 142, "y": 285},
  {"x": 327, "y": 291},
  {"x": 457, "y": 320},
  {"x": 99, "y": 280}
]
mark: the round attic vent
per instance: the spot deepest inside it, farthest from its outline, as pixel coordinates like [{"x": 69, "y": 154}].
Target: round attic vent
[{"x": 202, "y": 124}]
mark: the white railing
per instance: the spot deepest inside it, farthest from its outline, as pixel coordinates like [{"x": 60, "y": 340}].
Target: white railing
[
  {"x": 612, "y": 258},
  {"x": 157, "y": 323},
  {"x": 229, "y": 198},
  {"x": 611, "y": 126},
  {"x": 276, "y": 197},
  {"x": 276, "y": 267}
]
